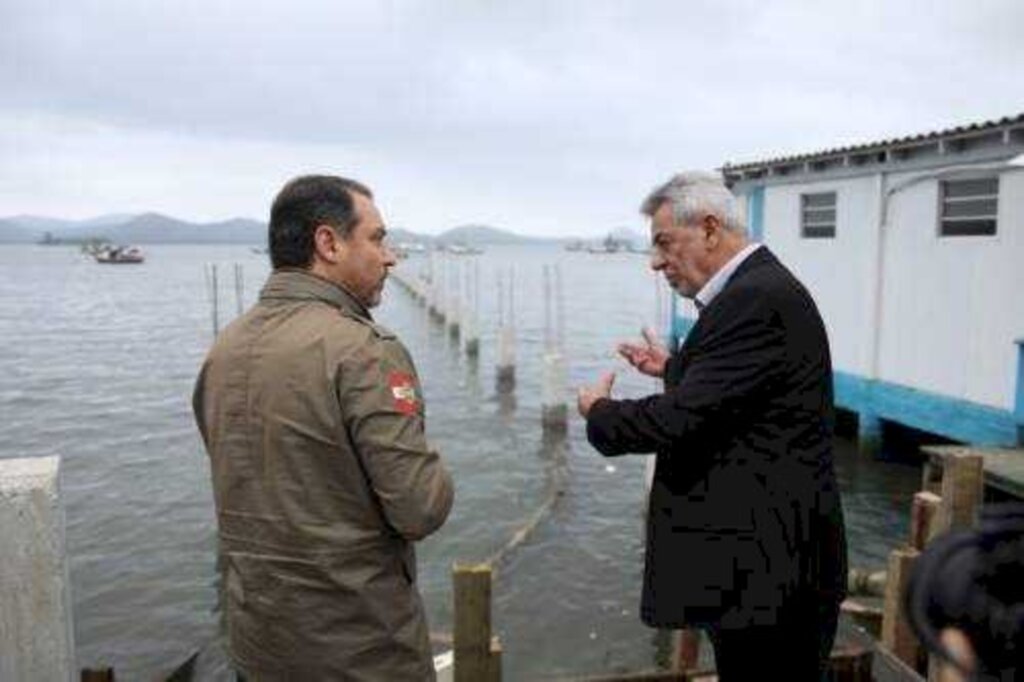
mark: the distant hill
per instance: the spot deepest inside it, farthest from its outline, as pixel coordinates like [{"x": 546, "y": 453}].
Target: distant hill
[
  {"x": 13, "y": 233},
  {"x": 478, "y": 235},
  {"x": 147, "y": 228},
  {"x": 156, "y": 228},
  {"x": 400, "y": 235}
]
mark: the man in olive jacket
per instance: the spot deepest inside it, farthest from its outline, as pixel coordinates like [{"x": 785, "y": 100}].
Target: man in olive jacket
[{"x": 313, "y": 418}]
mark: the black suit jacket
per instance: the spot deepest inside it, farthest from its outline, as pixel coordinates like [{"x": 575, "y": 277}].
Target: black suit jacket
[{"x": 744, "y": 515}]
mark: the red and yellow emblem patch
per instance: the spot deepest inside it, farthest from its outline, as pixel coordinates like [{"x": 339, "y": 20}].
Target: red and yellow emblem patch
[{"x": 403, "y": 391}]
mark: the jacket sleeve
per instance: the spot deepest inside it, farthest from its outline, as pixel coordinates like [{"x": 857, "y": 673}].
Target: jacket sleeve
[
  {"x": 382, "y": 408},
  {"x": 733, "y": 369}
]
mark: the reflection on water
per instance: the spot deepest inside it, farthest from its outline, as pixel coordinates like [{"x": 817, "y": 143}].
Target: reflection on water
[{"x": 98, "y": 367}]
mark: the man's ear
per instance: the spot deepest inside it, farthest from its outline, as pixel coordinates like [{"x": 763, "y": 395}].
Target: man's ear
[
  {"x": 326, "y": 243},
  {"x": 712, "y": 227}
]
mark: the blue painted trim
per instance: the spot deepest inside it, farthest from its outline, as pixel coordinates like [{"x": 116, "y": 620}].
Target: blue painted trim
[
  {"x": 868, "y": 425},
  {"x": 673, "y": 340},
  {"x": 681, "y": 327},
  {"x": 950, "y": 417},
  {"x": 1019, "y": 401},
  {"x": 755, "y": 213}
]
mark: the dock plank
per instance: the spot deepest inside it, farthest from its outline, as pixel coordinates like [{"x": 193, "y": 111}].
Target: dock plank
[{"x": 1004, "y": 467}]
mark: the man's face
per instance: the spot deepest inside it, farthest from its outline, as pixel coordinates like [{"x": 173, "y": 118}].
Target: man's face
[
  {"x": 364, "y": 257},
  {"x": 680, "y": 252}
]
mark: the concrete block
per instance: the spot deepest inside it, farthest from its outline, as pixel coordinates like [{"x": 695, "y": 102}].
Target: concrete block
[{"x": 36, "y": 636}]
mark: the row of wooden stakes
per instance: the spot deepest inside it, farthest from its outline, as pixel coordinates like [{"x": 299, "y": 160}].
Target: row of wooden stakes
[{"x": 950, "y": 499}]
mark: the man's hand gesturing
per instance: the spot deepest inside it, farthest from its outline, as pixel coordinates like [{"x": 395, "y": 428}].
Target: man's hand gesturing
[
  {"x": 586, "y": 396},
  {"x": 648, "y": 357}
]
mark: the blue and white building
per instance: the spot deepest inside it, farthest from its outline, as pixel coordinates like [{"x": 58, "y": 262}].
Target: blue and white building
[{"x": 914, "y": 251}]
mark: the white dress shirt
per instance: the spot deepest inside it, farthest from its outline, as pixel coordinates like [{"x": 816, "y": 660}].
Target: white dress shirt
[{"x": 718, "y": 280}]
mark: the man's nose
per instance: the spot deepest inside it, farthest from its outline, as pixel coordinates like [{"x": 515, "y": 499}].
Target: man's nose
[{"x": 657, "y": 262}]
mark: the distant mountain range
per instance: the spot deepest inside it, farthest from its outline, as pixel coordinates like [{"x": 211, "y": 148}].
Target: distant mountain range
[
  {"x": 146, "y": 228},
  {"x": 155, "y": 228}
]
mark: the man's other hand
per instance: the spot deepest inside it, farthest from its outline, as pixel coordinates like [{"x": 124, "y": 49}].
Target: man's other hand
[
  {"x": 648, "y": 357},
  {"x": 586, "y": 395}
]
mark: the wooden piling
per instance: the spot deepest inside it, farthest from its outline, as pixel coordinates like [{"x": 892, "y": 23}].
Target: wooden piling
[
  {"x": 97, "y": 675},
  {"x": 506, "y": 374},
  {"x": 213, "y": 294},
  {"x": 924, "y": 518},
  {"x": 897, "y": 636},
  {"x": 963, "y": 484},
  {"x": 477, "y": 655},
  {"x": 239, "y": 289}
]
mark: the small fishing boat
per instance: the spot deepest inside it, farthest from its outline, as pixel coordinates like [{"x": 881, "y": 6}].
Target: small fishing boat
[{"x": 119, "y": 254}]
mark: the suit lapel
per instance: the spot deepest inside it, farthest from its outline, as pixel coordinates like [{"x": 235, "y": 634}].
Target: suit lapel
[{"x": 680, "y": 359}]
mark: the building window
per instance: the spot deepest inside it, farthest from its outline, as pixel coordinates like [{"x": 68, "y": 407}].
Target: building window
[
  {"x": 818, "y": 215},
  {"x": 968, "y": 207}
]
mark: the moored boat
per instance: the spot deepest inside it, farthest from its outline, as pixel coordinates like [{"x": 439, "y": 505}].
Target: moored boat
[{"x": 119, "y": 254}]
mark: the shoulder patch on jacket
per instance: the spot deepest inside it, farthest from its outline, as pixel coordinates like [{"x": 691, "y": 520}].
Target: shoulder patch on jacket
[{"x": 403, "y": 392}]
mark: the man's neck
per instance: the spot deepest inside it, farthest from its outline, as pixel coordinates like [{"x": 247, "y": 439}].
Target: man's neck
[{"x": 723, "y": 273}]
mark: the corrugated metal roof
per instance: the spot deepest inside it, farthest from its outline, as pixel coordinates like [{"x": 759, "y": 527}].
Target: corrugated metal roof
[{"x": 896, "y": 142}]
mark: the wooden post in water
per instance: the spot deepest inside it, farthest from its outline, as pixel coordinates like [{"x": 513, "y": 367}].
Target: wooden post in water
[
  {"x": 506, "y": 378},
  {"x": 554, "y": 407},
  {"x": 924, "y": 518},
  {"x": 437, "y": 282},
  {"x": 471, "y": 320},
  {"x": 897, "y": 636},
  {"x": 962, "y": 488},
  {"x": 963, "y": 485},
  {"x": 477, "y": 654},
  {"x": 455, "y": 298},
  {"x": 239, "y": 284},
  {"x": 212, "y": 291}
]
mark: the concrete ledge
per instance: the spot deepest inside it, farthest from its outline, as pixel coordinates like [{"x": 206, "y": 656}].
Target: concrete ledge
[{"x": 36, "y": 637}]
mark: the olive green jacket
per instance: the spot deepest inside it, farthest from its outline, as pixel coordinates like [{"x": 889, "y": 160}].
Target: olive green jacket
[{"x": 313, "y": 419}]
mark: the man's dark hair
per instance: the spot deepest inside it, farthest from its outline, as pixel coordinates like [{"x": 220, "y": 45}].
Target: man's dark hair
[{"x": 303, "y": 204}]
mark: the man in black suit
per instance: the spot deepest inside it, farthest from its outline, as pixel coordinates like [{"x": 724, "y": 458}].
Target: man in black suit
[{"x": 745, "y": 534}]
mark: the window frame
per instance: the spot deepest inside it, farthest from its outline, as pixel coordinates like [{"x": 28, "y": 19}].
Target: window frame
[
  {"x": 821, "y": 229},
  {"x": 943, "y": 221}
]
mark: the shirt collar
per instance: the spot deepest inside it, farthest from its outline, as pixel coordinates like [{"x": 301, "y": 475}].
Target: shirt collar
[
  {"x": 299, "y": 284},
  {"x": 718, "y": 280}
]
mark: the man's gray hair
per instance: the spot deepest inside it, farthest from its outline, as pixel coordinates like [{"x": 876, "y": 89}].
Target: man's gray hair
[{"x": 693, "y": 194}]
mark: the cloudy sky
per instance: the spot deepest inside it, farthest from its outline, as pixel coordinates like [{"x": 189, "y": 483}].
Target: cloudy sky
[{"x": 539, "y": 116}]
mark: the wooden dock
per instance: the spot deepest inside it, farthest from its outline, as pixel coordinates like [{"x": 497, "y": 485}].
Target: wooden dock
[{"x": 1003, "y": 467}]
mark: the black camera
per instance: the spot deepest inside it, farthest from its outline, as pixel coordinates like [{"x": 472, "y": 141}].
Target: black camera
[{"x": 974, "y": 580}]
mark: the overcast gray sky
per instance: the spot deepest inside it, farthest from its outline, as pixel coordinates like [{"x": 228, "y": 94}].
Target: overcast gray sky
[{"x": 544, "y": 117}]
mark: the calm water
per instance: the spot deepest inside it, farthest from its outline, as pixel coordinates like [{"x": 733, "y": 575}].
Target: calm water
[{"x": 97, "y": 366}]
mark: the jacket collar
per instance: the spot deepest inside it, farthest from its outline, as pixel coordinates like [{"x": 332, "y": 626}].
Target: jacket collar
[
  {"x": 718, "y": 280},
  {"x": 295, "y": 284},
  {"x": 756, "y": 258}
]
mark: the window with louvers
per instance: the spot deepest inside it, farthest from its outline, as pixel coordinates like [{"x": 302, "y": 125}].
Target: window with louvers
[
  {"x": 968, "y": 207},
  {"x": 818, "y": 215}
]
